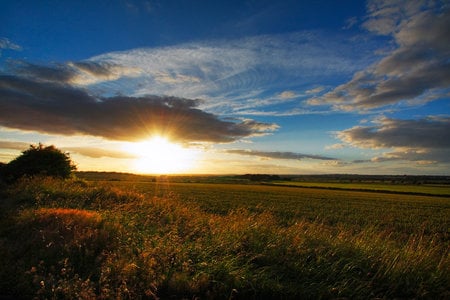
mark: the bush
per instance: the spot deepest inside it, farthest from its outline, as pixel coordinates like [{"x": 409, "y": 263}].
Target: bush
[{"x": 38, "y": 160}]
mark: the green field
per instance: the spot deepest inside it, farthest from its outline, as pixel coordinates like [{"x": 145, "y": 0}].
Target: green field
[
  {"x": 426, "y": 189},
  {"x": 163, "y": 239}
]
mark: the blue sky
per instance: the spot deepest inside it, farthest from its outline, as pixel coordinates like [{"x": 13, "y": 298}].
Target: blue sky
[{"x": 295, "y": 87}]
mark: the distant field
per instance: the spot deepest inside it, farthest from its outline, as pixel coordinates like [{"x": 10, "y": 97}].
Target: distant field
[{"x": 426, "y": 189}]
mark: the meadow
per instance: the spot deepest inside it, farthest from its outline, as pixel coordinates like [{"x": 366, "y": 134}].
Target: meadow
[{"x": 173, "y": 239}]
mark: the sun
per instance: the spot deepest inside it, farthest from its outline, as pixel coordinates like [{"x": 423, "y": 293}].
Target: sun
[{"x": 160, "y": 156}]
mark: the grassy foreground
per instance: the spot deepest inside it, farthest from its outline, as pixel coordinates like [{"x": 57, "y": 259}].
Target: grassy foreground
[{"x": 72, "y": 239}]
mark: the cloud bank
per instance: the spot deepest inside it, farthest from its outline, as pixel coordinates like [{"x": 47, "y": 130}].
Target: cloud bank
[
  {"x": 418, "y": 69},
  {"x": 422, "y": 140},
  {"x": 42, "y": 98}
]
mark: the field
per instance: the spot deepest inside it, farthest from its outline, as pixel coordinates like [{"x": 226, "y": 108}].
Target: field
[
  {"x": 205, "y": 239},
  {"x": 430, "y": 189}
]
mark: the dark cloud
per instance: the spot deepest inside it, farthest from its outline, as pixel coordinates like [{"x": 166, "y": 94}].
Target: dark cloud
[
  {"x": 416, "y": 140},
  {"x": 58, "y": 72},
  {"x": 59, "y": 108},
  {"x": 422, "y": 133},
  {"x": 278, "y": 155},
  {"x": 79, "y": 73},
  {"x": 418, "y": 67}
]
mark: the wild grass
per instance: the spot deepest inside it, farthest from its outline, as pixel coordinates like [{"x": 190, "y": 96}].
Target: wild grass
[{"x": 71, "y": 239}]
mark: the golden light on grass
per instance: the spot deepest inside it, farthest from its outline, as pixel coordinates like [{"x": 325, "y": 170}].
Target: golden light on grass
[{"x": 160, "y": 156}]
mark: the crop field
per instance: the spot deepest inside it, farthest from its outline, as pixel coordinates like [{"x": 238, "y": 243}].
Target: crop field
[
  {"x": 354, "y": 209},
  {"x": 171, "y": 240},
  {"x": 430, "y": 189}
]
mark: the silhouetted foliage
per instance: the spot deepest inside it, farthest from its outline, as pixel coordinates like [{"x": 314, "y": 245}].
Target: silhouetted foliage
[{"x": 38, "y": 160}]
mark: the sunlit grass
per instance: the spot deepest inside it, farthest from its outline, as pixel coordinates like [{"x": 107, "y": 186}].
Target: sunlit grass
[{"x": 70, "y": 239}]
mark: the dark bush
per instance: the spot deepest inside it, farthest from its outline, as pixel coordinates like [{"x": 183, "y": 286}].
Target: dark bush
[{"x": 38, "y": 160}]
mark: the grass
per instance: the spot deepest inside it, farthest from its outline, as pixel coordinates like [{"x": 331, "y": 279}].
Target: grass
[{"x": 127, "y": 240}]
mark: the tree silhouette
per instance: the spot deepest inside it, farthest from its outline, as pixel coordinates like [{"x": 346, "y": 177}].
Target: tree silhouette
[{"x": 39, "y": 160}]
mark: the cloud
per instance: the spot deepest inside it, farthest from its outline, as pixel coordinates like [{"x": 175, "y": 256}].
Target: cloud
[
  {"x": 386, "y": 16},
  {"x": 59, "y": 108},
  {"x": 335, "y": 146},
  {"x": 14, "y": 145},
  {"x": 418, "y": 68},
  {"x": 256, "y": 72},
  {"x": 419, "y": 155},
  {"x": 349, "y": 23},
  {"x": 177, "y": 78},
  {"x": 315, "y": 90},
  {"x": 99, "y": 152},
  {"x": 146, "y": 7},
  {"x": 433, "y": 132},
  {"x": 7, "y": 44},
  {"x": 85, "y": 151},
  {"x": 224, "y": 70},
  {"x": 287, "y": 95},
  {"x": 76, "y": 73},
  {"x": 89, "y": 72},
  {"x": 425, "y": 139},
  {"x": 278, "y": 155},
  {"x": 57, "y": 73}
]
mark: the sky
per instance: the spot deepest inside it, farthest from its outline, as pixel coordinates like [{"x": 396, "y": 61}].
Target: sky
[{"x": 229, "y": 87}]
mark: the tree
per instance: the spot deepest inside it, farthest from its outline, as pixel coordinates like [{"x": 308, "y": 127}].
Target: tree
[{"x": 39, "y": 160}]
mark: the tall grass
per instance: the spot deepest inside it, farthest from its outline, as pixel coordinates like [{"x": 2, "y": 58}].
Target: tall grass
[{"x": 70, "y": 239}]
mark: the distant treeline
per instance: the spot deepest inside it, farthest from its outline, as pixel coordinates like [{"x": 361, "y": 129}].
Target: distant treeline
[{"x": 262, "y": 177}]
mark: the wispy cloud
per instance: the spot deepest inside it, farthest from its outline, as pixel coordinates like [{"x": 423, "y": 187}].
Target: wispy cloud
[
  {"x": 415, "y": 140},
  {"x": 221, "y": 71},
  {"x": 287, "y": 95},
  {"x": 315, "y": 90},
  {"x": 60, "y": 108},
  {"x": 7, "y": 44},
  {"x": 277, "y": 154},
  {"x": 146, "y": 7},
  {"x": 418, "y": 68}
]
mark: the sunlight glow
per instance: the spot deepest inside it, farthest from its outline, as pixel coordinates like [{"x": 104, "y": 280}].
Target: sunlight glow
[{"x": 160, "y": 156}]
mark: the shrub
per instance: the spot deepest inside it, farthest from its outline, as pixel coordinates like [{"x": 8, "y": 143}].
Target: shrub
[{"x": 38, "y": 160}]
